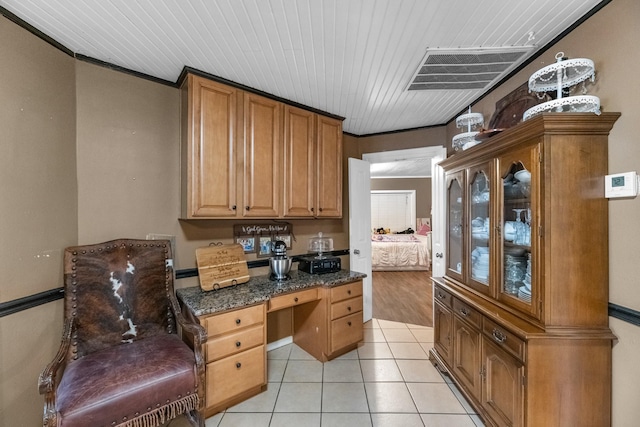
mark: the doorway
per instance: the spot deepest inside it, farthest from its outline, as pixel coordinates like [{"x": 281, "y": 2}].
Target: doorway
[{"x": 404, "y": 296}]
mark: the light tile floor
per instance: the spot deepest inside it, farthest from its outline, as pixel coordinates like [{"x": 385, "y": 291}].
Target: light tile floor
[{"x": 387, "y": 382}]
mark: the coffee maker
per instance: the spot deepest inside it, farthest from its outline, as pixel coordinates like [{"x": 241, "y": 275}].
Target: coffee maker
[{"x": 279, "y": 263}]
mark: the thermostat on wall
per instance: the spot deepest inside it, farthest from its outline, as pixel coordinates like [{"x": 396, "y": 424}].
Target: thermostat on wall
[{"x": 621, "y": 185}]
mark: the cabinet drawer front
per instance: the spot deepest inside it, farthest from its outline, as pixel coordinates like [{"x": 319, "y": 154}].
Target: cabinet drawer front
[
  {"x": 346, "y": 307},
  {"x": 343, "y": 292},
  {"x": 505, "y": 339},
  {"x": 234, "y": 320},
  {"x": 443, "y": 296},
  {"x": 346, "y": 331},
  {"x": 235, "y": 342},
  {"x": 468, "y": 313},
  {"x": 233, "y": 375},
  {"x": 294, "y": 298}
]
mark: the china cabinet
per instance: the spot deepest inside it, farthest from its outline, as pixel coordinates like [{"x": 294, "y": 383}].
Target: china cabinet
[
  {"x": 251, "y": 156},
  {"x": 521, "y": 317}
]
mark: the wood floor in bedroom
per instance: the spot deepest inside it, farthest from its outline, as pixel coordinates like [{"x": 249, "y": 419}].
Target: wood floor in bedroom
[{"x": 403, "y": 296}]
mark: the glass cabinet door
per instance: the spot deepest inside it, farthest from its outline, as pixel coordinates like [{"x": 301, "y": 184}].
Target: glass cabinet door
[
  {"x": 455, "y": 230},
  {"x": 478, "y": 189},
  {"x": 519, "y": 175}
]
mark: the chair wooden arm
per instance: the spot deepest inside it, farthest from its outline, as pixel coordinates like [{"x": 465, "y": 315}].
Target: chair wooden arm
[
  {"x": 195, "y": 336},
  {"x": 48, "y": 379}
]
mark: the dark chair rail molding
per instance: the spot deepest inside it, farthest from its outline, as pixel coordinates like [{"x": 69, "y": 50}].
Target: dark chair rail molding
[
  {"x": 20, "y": 304},
  {"x": 6, "y": 308},
  {"x": 624, "y": 313}
]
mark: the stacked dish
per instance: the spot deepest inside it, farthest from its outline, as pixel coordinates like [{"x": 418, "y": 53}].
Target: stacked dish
[
  {"x": 480, "y": 229},
  {"x": 480, "y": 263},
  {"x": 524, "y": 294}
]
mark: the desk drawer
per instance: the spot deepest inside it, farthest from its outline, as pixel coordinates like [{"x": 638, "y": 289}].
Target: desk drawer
[
  {"x": 343, "y": 292},
  {"x": 346, "y": 331},
  {"x": 234, "y": 320},
  {"x": 348, "y": 306},
  {"x": 234, "y": 375},
  {"x": 294, "y": 298},
  {"x": 234, "y": 342}
]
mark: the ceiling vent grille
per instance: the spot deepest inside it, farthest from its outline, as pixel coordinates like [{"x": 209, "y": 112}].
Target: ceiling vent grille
[{"x": 464, "y": 69}]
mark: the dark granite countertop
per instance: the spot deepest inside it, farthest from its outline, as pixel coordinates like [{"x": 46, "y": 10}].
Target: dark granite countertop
[{"x": 258, "y": 289}]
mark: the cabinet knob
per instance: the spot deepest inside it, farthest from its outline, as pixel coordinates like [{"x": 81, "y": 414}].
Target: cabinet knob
[
  {"x": 441, "y": 296},
  {"x": 238, "y": 344},
  {"x": 234, "y": 207},
  {"x": 311, "y": 209},
  {"x": 349, "y": 323},
  {"x": 349, "y": 308},
  {"x": 295, "y": 299},
  {"x": 247, "y": 208},
  {"x": 238, "y": 321},
  {"x": 320, "y": 209},
  {"x": 439, "y": 255},
  {"x": 349, "y": 292},
  {"x": 464, "y": 312},
  {"x": 238, "y": 365}
]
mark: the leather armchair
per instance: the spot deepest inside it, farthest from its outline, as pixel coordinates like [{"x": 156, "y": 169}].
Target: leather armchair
[{"x": 122, "y": 361}]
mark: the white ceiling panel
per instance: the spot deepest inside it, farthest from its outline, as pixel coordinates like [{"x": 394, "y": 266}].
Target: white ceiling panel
[{"x": 352, "y": 58}]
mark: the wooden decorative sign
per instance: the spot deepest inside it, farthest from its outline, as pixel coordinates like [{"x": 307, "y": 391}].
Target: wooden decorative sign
[{"x": 221, "y": 266}]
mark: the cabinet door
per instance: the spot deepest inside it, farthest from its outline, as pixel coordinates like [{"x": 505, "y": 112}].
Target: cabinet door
[
  {"x": 479, "y": 225},
  {"x": 329, "y": 168},
  {"x": 262, "y": 154},
  {"x": 502, "y": 390},
  {"x": 519, "y": 212},
  {"x": 466, "y": 355},
  {"x": 455, "y": 225},
  {"x": 299, "y": 162},
  {"x": 442, "y": 326},
  {"x": 209, "y": 155}
]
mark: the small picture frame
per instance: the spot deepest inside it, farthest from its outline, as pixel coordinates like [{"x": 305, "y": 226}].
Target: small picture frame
[
  {"x": 248, "y": 243},
  {"x": 264, "y": 250}
]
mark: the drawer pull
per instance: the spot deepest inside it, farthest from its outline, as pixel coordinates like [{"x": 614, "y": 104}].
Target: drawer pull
[
  {"x": 349, "y": 292},
  {"x": 498, "y": 336},
  {"x": 295, "y": 299},
  {"x": 238, "y": 321},
  {"x": 349, "y": 308},
  {"x": 238, "y": 344},
  {"x": 238, "y": 365},
  {"x": 349, "y": 323},
  {"x": 464, "y": 312},
  {"x": 441, "y": 296}
]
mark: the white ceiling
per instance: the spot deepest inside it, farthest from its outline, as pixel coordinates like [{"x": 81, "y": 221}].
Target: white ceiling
[{"x": 352, "y": 58}]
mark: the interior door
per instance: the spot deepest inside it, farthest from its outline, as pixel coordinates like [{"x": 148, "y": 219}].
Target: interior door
[{"x": 360, "y": 229}]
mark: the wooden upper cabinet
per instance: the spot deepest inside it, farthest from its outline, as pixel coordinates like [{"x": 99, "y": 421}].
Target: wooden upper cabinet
[
  {"x": 299, "y": 162},
  {"x": 329, "y": 168},
  {"x": 262, "y": 156},
  {"x": 250, "y": 156},
  {"x": 313, "y": 165},
  {"x": 209, "y": 117}
]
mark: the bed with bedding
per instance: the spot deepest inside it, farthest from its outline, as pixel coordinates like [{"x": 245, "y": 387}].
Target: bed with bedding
[{"x": 398, "y": 252}]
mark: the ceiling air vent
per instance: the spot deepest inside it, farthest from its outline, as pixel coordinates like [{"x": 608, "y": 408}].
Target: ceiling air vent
[{"x": 454, "y": 69}]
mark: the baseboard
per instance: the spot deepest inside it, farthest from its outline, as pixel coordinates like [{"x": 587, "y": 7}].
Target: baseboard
[{"x": 280, "y": 343}]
